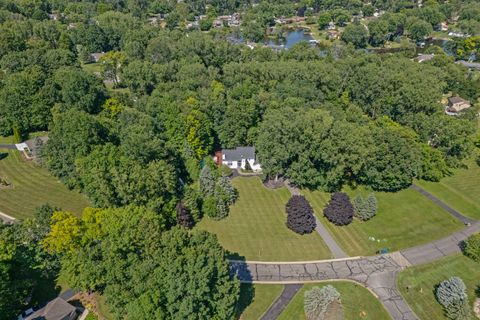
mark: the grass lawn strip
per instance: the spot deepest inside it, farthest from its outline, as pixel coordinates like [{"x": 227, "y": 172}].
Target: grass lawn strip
[
  {"x": 417, "y": 284},
  {"x": 404, "y": 219},
  {"x": 255, "y": 299},
  {"x": 357, "y": 301},
  {"x": 256, "y": 230},
  {"x": 460, "y": 191}
]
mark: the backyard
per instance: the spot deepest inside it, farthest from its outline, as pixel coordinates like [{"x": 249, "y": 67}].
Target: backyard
[
  {"x": 461, "y": 191},
  {"x": 404, "y": 219},
  {"x": 33, "y": 186},
  {"x": 417, "y": 284},
  {"x": 358, "y": 303},
  {"x": 256, "y": 230}
]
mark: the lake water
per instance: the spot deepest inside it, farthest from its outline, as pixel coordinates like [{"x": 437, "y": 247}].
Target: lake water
[{"x": 292, "y": 38}]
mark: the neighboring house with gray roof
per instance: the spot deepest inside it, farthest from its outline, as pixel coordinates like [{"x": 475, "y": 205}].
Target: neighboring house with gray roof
[
  {"x": 238, "y": 158},
  {"x": 57, "y": 309}
]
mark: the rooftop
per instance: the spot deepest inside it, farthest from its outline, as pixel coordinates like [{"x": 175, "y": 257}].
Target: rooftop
[
  {"x": 57, "y": 309},
  {"x": 239, "y": 153}
]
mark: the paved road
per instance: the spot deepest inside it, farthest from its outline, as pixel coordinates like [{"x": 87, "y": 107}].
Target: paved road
[
  {"x": 289, "y": 291},
  {"x": 377, "y": 273},
  {"x": 335, "y": 249},
  {"x": 442, "y": 204}
]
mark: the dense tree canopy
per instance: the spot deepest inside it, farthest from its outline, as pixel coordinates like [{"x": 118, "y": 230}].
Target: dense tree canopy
[{"x": 142, "y": 269}]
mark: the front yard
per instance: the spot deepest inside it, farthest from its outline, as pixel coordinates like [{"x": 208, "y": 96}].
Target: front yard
[
  {"x": 404, "y": 219},
  {"x": 417, "y": 284},
  {"x": 256, "y": 230},
  {"x": 358, "y": 303},
  {"x": 255, "y": 299},
  {"x": 460, "y": 191}
]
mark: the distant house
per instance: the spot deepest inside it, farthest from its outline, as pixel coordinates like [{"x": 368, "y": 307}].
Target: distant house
[
  {"x": 31, "y": 148},
  {"x": 468, "y": 64},
  {"x": 97, "y": 56},
  {"x": 57, "y": 309},
  {"x": 238, "y": 158},
  {"x": 424, "y": 57},
  {"x": 333, "y": 34},
  {"x": 456, "y": 104}
]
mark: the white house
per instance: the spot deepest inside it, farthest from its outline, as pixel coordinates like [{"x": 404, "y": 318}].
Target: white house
[{"x": 238, "y": 158}]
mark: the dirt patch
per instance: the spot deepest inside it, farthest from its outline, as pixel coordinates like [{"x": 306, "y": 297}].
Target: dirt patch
[
  {"x": 476, "y": 308},
  {"x": 5, "y": 184},
  {"x": 274, "y": 184}
]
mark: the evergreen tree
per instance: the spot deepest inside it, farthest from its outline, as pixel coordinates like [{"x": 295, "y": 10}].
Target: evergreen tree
[
  {"x": 339, "y": 209},
  {"x": 317, "y": 301},
  {"x": 300, "y": 218},
  {"x": 452, "y": 295},
  {"x": 207, "y": 181}
]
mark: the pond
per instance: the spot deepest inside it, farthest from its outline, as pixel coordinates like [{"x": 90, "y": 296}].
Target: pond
[{"x": 291, "y": 38}]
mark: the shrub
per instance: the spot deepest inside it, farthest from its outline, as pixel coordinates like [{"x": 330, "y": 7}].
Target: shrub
[
  {"x": 452, "y": 295},
  {"x": 339, "y": 209},
  {"x": 193, "y": 201},
  {"x": 317, "y": 301},
  {"x": 300, "y": 218},
  {"x": 184, "y": 218},
  {"x": 210, "y": 207},
  {"x": 472, "y": 247},
  {"x": 225, "y": 171}
]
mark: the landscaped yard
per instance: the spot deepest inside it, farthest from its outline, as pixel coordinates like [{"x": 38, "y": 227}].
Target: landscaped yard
[
  {"x": 33, "y": 186},
  {"x": 404, "y": 219},
  {"x": 358, "y": 303},
  {"x": 255, "y": 299},
  {"x": 417, "y": 284},
  {"x": 256, "y": 230},
  {"x": 461, "y": 191}
]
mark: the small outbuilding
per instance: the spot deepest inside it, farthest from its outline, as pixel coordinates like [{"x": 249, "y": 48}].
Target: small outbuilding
[
  {"x": 456, "y": 105},
  {"x": 238, "y": 158}
]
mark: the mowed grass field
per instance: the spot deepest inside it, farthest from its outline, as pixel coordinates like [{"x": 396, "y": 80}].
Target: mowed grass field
[
  {"x": 460, "y": 191},
  {"x": 255, "y": 299},
  {"x": 404, "y": 219},
  {"x": 33, "y": 186},
  {"x": 358, "y": 303},
  {"x": 256, "y": 230},
  {"x": 417, "y": 284}
]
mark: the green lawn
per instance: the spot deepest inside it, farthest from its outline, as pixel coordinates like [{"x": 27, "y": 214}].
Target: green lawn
[
  {"x": 404, "y": 219},
  {"x": 461, "y": 191},
  {"x": 255, "y": 299},
  {"x": 357, "y": 301},
  {"x": 32, "y": 187},
  {"x": 417, "y": 284},
  {"x": 255, "y": 227}
]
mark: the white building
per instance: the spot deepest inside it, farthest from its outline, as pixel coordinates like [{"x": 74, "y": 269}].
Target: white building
[{"x": 238, "y": 158}]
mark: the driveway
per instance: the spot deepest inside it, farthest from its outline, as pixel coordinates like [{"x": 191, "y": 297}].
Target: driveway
[{"x": 376, "y": 273}]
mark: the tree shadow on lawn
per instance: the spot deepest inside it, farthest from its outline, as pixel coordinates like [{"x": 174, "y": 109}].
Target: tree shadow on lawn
[{"x": 247, "y": 290}]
